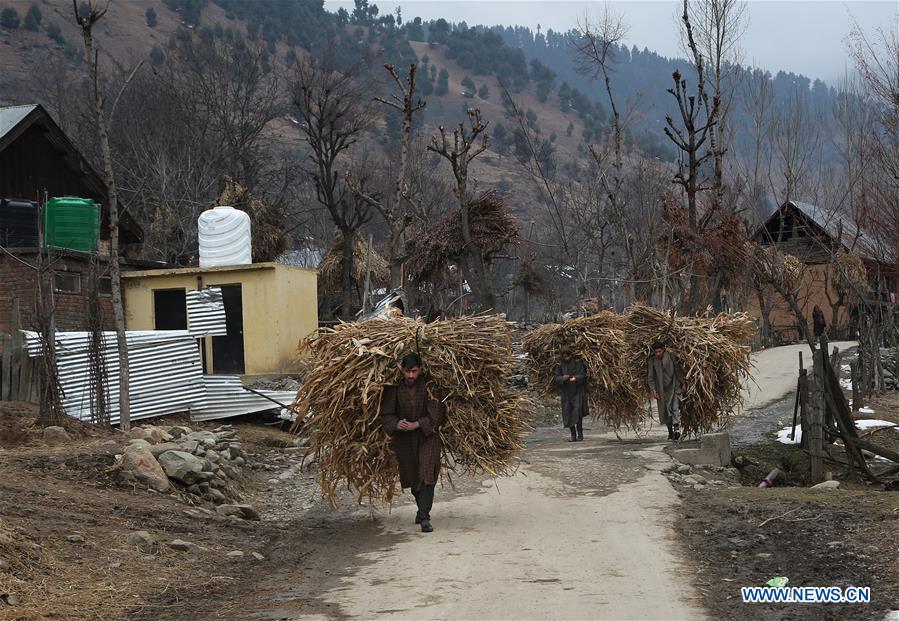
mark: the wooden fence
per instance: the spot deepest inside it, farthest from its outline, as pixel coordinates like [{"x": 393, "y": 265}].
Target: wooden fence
[{"x": 18, "y": 372}]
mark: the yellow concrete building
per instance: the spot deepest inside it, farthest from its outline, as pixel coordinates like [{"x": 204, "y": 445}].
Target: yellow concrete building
[{"x": 269, "y": 308}]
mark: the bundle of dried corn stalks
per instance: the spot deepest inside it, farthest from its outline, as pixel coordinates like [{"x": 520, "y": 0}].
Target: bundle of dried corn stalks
[
  {"x": 331, "y": 266},
  {"x": 713, "y": 355},
  {"x": 615, "y": 349},
  {"x": 468, "y": 358},
  {"x": 614, "y": 387}
]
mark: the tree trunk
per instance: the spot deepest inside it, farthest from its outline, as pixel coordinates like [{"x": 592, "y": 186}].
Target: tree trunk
[
  {"x": 346, "y": 276},
  {"x": 114, "y": 268}
]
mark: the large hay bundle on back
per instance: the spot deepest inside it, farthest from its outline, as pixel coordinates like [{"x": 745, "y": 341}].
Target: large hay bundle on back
[
  {"x": 614, "y": 390},
  {"x": 615, "y": 349},
  {"x": 713, "y": 354},
  {"x": 469, "y": 358}
]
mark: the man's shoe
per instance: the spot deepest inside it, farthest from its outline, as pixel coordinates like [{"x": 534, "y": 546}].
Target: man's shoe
[
  {"x": 417, "y": 518},
  {"x": 426, "y": 526},
  {"x": 676, "y": 436},
  {"x": 670, "y": 435},
  {"x": 572, "y": 439},
  {"x": 580, "y": 438}
]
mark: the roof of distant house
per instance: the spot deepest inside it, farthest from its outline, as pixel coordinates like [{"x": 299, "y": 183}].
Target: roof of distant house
[
  {"x": 15, "y": 120},
  {"x": 853, "y": 238}
]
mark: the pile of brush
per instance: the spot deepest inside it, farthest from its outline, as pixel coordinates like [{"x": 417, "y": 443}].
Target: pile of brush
[
  {"x": 330, "y": 270},
  {"x": 712, "y": 351},
  {"x": 713, "y": 354},
  {"x": 468, "y": 358},
  {"x": 615, "y": 385}
]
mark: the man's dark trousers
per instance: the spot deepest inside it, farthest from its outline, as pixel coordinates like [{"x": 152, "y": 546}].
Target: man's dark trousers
[{"x": 424, "y": 498}]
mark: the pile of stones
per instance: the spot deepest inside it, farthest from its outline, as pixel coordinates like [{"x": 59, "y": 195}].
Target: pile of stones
[{"x": 199, "y": 463}]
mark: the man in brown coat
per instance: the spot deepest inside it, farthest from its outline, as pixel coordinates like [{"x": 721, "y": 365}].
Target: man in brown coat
[
  {"x": 665, "y": 378},
  {"x": 412, "y": 419}
]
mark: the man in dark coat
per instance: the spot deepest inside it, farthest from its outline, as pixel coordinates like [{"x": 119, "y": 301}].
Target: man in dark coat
[
  {"x": 571, "y": 378},
  {"x": 818, "y": 322},
  {"x": 665, "y": 378},
  {"x": 412, "y": 418}
]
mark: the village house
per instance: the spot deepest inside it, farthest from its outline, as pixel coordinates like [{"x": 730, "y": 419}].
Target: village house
[
  {"x": 815, "y": 237},
  {"x": 268, "y": 309},
  {"x": 38, "y": 162}
]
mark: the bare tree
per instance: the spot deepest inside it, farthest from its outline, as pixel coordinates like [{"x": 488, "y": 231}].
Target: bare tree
[
  {"x": 333, "y": 118},
  {"x": 717, "y": 26},
  {"x": 795, "y": 139},
  {"x": 104, "y": 117},
  {"x": 690, "y": 133},
  {"x": 231, "y": 93},
  {"x": 758, "y": 107},
  {"x": 876, "y": 57},
  {"x": 465, "y": 145},
  {"x": 594, "y": 55},
  {"x": 395, "y": 215}
]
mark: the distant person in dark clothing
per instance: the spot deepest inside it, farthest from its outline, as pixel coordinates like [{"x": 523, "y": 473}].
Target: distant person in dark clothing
[
  {"x": 665, "y": 377},
  {"x": 820, "y": 325},
  {"x": 411, "y": 417},
  {"x": 571, "y": 378}
]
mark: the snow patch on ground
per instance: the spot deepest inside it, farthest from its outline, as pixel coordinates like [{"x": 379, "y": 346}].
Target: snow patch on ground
[
  {"x": 783, "y": 435},
  {"x": 870, "y": 423}
]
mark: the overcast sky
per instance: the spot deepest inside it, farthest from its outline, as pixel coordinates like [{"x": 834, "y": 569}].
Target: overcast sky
[{"x": 804, "y": 36}]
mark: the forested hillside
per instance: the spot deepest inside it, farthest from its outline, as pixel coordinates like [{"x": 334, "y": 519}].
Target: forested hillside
[{"x": 589, "y": 175}]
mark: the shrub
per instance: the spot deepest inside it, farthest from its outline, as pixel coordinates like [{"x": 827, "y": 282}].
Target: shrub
[
  {"x": 9, "y": 18},
  {"x": 33, "y": 18}
]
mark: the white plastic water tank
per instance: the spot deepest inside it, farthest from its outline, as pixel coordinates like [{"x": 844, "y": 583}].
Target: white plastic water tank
[{"x": 224, "y": 237}]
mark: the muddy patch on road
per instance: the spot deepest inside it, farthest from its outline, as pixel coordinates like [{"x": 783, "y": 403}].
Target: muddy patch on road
[{"x": 598, "y": 466}]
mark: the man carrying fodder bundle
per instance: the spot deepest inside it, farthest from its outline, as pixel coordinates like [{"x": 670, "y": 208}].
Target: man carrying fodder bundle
[
  {"x": 664, "y": 377},
  {"x": 412, "y": 418},
  {"x": 571, "y": 378}
]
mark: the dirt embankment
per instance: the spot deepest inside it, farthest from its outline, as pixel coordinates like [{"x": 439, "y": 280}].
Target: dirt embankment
[{"x": 65, "y": 522}]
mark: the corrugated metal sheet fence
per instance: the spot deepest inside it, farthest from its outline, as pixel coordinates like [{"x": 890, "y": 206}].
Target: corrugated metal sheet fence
[
  {"x": 165, "y": 372},
  {"x": 166, "y": 377}
]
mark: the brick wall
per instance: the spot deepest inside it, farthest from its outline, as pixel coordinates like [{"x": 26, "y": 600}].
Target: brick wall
[{"x": 20, "y": 281}]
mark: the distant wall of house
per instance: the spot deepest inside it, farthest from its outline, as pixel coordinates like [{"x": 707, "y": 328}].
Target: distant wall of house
[
  {"x": 811, "y": 292},
  {"x": 279, "y": 307},
  {"x": 70, "y": 297}
]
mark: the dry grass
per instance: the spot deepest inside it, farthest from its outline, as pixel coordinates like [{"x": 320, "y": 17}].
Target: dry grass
[
  {"x": 469, "y": 358},
  {"x": 615, "y": 390},
  {"x": 713, "y": 354},
  {"x": 615, "y": 349},
  {"x": 330, "y": 269}
]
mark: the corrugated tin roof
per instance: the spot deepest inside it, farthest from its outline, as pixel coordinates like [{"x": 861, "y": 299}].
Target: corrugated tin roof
[
  {"x": 225, "y": 397},
  {"x": 166, "y": 375},
  {"x": 12, "y": 116},
  {"x": 852, "y": 238},
  {"x": 206, "y": 312}
]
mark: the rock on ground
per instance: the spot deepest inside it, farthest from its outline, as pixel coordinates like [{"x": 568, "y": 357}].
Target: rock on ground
[
  {"x": 185, "y": 546},
  {"x": 181, "y": 466},
  {"x": 139, "y": 462},
  {"x": 56, "y": 435},
  {"x": 141, "y": 539}
]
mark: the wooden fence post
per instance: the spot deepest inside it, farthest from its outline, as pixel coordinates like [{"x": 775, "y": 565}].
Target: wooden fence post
[
  {"x": 816, "y": 420},
  {"x": 857, "y": 401}
]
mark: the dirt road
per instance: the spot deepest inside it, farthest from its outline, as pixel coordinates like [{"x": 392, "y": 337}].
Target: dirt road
[
  {"x": 583, "y": 532},
  {"x": 775, "y": 371}
]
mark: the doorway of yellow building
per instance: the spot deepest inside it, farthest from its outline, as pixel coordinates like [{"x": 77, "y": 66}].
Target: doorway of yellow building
[{"x": 228, "y": 351}]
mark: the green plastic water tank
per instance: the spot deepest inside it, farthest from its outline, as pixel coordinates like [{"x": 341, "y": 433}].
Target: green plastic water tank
[{"x": 72, "y": 223}]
